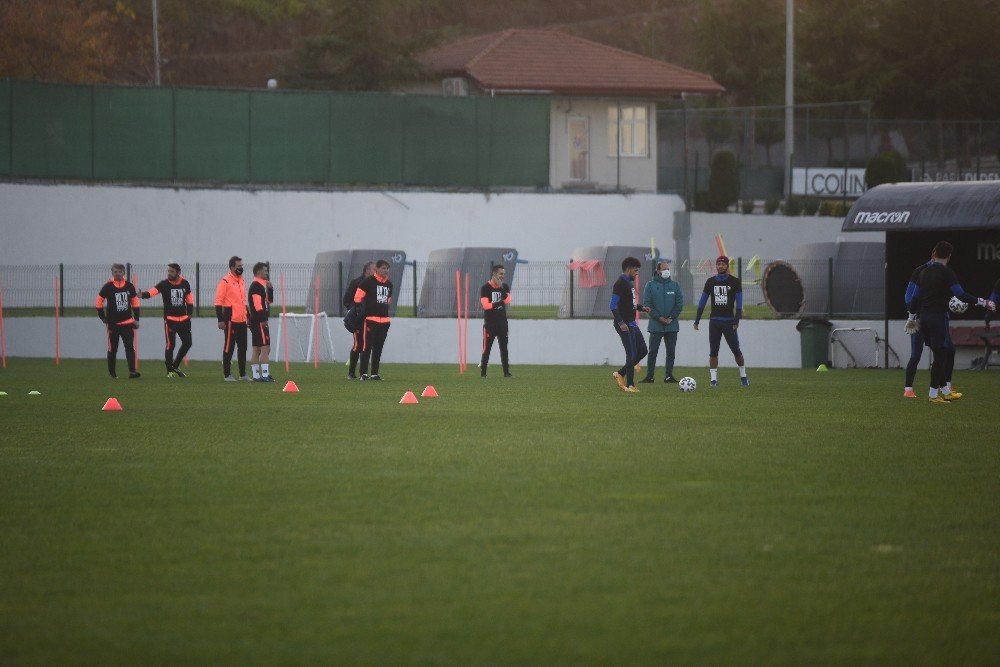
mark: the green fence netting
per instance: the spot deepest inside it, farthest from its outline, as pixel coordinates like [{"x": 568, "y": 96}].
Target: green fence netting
[{"x": 233, "y": 136}]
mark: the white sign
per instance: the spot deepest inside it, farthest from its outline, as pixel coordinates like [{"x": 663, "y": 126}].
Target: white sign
[{"x": 828, "y": 182}]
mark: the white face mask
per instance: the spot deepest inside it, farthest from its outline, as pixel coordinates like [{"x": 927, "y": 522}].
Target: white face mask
[{"x": 665, "y": 273}]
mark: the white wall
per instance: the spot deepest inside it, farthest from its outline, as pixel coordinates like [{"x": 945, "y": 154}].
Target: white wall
[
  {"x": 765, "y": 343},
  {"x": 80, "y": 224},
  {"x": 637, "y": 173},
  {"x": 768, "y": 236}
]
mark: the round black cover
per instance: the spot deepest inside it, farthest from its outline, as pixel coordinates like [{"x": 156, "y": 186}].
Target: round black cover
[{"x": 782, "y": 289}]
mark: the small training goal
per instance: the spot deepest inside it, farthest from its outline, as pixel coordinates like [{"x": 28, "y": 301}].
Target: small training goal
[{"x": 305, "y": 337}]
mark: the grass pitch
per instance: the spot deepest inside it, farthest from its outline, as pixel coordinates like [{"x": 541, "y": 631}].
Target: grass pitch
[{"x": 814, "y": 519}]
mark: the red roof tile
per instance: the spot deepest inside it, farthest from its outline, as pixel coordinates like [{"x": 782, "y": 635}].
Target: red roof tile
[{"x": 554, "y": 62}]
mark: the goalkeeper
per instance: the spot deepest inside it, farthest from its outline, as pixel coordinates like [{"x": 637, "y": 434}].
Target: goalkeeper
[{"x": 348, "y": 301}]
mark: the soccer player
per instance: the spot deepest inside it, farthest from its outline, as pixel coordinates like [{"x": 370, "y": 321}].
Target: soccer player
[
  {"x": 665, "y": 301},
  {"x": 261, "y": 297},
  {"x": 995, "y": 298},
  {"x": 495, "y": 297},
  {"x": 231, "y": 311},
  {"x": 623, "y": 309},
  {"x": 348, "y": 301},
  {"x": 376, "y": 292},
  {"x": 917, "y": 340},
  {"x": 726, "y": 292},
  {"x": 178, "y": 305},
  {"x": 118, "y": 307},
  {"x": 935, "y": 287}
]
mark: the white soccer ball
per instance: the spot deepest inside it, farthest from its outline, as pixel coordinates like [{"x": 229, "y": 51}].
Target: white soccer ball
[
  {"x": 687, "y": 384},
  {"x": 956, "y": 305}
]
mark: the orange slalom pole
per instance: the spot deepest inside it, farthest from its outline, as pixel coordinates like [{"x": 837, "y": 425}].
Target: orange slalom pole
[
  {"x": 458, "y": 316},
  {"x": 284, "y": 321},
  {"x": 465, "y": 329},
  {"x": 316, "y": 324},
  {"x": 57, "y": 320},
  {"x": 3, "y": 334}
]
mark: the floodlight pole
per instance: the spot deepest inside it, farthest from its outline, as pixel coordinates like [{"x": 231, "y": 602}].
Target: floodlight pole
[
  {"x": 789, "y": 93},
  {"x": 156, "y": 44}
]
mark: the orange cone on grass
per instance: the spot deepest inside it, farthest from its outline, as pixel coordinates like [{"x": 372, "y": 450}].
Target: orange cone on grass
[
  {"x": 290, "y": 387},
  {"x": 408, "y": 398},
  {"x": 112, "y": 405},
  {"x": 429, "y": 392}
]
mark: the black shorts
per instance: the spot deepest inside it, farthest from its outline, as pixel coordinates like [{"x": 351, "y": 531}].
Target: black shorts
[
  {"x": 936, "y": 330},
  {"x": 260, "y": 335},
  {"x": 719, "y": 329}
]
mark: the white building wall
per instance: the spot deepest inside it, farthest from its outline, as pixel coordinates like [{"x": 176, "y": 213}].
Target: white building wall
[
  {"x": 87, "y": 224},
  {"x": 636, "y": 173}
]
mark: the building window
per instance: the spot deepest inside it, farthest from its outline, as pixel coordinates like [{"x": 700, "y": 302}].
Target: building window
[{"x": 632, "y": 130}]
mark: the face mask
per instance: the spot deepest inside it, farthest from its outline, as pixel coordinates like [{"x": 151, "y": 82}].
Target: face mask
[
  {"x": 239, "y": 271},
  {"x": 665, "y": 273}
]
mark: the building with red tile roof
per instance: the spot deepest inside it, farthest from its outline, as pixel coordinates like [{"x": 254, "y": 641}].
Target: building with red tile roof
[{"x": 602, "y": 132}]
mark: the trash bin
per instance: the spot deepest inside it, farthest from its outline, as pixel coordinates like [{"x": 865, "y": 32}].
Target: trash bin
[{"x": 815, "y": 338}]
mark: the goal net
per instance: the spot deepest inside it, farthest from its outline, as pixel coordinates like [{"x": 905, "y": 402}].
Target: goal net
[
  {"x": 855, "y": 348},
  {"x": 304, "y": 337}
]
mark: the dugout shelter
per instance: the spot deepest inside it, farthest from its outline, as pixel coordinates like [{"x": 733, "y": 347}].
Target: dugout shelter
[
  {"x": 915, "y": 216},
  {"x": 336, "y": 268},
  {"x": 438, "y": 294}
]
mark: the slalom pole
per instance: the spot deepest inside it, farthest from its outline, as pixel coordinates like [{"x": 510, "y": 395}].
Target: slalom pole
[
  {"x": 458, "y": 314},
  {"x": 316, "y": 324},
  {"x": 284, "y": 322},
  {"x": 465, "y": 329},
  {"x": 57, "y": 320},
  {"x": 135, "y": 342},
  {"x": 3, "y": 334}
]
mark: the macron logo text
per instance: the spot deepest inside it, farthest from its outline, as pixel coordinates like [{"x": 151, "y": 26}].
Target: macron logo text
[{"x": 894, "y": 218}]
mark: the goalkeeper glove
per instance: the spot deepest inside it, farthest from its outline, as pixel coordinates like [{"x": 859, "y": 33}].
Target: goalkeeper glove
[
  {"x": 144, "y": 294},
  {"x": 988, "y": 305},
  {"x": 910, "y": 327}
]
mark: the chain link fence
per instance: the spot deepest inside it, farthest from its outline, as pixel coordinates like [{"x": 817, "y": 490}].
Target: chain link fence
[{"x": 539, "y": 290}]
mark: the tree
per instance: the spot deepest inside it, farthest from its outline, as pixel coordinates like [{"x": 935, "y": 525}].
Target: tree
[
  {"x": 742, "y": 45},
  {"x": 58, "y": 40},
  {"x": 357, "y": 50}
]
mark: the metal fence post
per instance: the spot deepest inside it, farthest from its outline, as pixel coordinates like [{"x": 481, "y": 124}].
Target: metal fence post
[
  {"x": 829, "y": 285},
  {"x": 340, "y": 286},
  {"x": 571, "y": 294},
  {"x": 197, "y": 289},
  {"x": 128, "y": 271},
  {"x": 62, "y": 290},
  {"x": 415, "y": 309}
]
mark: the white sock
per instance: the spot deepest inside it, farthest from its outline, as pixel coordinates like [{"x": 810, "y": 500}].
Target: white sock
[
  {"x": 933, "y": 392},
  {"x": 256, "y": 371},
  {"x": 713, "y": 373},
  {"x": 907, "y": 388},
  {"x": 743, "y": 371},
  {"x": 264, "y": 370},
  {"x": 947, "y": 385},
  {"x": 946, "y": 390}
]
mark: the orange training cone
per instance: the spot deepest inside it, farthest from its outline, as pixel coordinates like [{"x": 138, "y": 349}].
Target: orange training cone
[
  {"x": 112, "y": 404},
  {"x": 408, "y": 397},
  {"x": 290, "y": 387},
  {"x": 429, "y": 392}
]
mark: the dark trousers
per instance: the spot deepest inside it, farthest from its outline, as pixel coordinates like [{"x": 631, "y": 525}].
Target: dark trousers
[
  {"x": 236, "y": 339},
  {"x": 669, "y": 347},
  {"x": 126, "y": 334},
  {"x": 374, "y": 340},
  {"x": 356, "y": 349},
  {"x": 635, "y": 351},
  {"x": 917, "y": 352},
  {"x": 937, "y": 336},
  {"x": 500, "y": 334},
  {"x": 719, "y": 329},
  {"x": 172, "y": 331}
]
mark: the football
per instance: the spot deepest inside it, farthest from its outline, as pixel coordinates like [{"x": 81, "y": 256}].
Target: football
[
  {"x": 687, "y": 384},
  {"x": 956, "y": 305}
]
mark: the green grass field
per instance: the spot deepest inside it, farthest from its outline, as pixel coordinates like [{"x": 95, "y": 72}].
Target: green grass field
[{"x": 814, "y": 519}]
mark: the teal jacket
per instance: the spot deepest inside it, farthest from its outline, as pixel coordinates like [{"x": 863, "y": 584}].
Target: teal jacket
[{"x": 664, "y": 298}]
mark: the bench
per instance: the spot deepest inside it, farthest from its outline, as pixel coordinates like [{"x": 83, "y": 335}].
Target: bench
[{"x": 974, "y": 337}]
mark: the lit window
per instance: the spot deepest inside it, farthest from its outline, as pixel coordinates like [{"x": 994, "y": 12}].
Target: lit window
[{"x": 632, "y": 131}]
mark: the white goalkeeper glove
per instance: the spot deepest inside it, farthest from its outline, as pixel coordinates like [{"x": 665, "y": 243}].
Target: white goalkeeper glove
[
  {"x": 989, "y": 305},
  {"x": 910, "y": 327}
]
